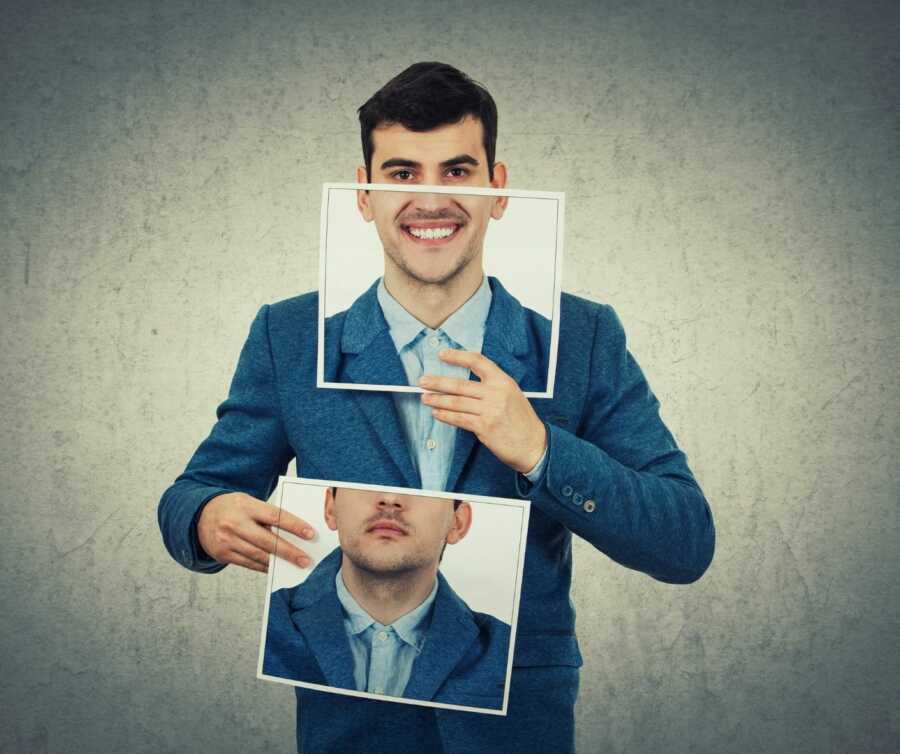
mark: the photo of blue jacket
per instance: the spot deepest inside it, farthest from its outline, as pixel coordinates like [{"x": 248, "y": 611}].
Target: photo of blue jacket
[
  {"x": 613, "y": 476},
  {"x": 355, "y": 342},
  {"x": 463, "y": 659}
]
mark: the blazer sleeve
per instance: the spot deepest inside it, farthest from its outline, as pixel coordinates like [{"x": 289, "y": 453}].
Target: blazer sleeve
[
  {"x": 620, "y": 481},
  {"x": 246, "y": 451}
]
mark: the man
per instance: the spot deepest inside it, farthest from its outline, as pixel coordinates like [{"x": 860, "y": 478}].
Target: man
[
  {"x": 600, "y": 462},
  {"x": 376, "y": 615}
]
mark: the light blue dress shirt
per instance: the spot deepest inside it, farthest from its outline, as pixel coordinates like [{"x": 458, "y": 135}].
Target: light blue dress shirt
[
  {"x": 383, "y": 656},
  {"x": 430, "y": 441}
]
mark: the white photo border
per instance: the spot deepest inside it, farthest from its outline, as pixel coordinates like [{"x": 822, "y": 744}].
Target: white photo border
[
  {"x": 558, "y": 196},
  {"x": 523, "y": 505}
]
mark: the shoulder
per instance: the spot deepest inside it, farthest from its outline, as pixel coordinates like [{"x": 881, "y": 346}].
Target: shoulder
[
  {"x": 280, "y": 603},
  {"x": 286, "y": 654},
  {"x": 479, "y": 678},
  {"x": 303, "y": 308},
  {"x": 580, "y": 316},
  {"x": 539, "y": 327},
  {"x": 493, "y": 641},
  {"x": 287, "y": 317},
  {"x": 492, "y": 627}
]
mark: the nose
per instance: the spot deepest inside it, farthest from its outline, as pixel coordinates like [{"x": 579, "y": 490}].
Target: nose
[
  {"x": 432, "y": 203},
  {"x": 390, "y": 501}
]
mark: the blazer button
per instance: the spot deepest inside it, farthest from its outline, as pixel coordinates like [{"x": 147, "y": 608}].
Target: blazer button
[
  {"x": 589, "y": 506},
  {"x": 567, "y": 491},
  {"x": 577, "y": 499}
]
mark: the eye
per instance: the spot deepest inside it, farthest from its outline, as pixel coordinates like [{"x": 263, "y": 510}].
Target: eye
[
  {"x": 401, "y": 175},
  {"x": 458, "y": 172}
]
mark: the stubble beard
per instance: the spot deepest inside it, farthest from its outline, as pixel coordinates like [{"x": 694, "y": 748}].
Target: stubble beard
[
  {"x": 468, "y": 256},
  {"x": 396, "y": 568}
]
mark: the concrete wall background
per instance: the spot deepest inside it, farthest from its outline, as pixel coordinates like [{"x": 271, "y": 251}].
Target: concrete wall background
[{"x": 732, "y": 175}]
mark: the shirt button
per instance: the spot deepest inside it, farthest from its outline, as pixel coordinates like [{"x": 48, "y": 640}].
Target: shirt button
[
  {"x": 577, "y": 499},
  {"x": 430, "y": 443},
  {"x": 567, "y": 491},
  {"x": 433, "y": 342},
  {"x": 378, "y": 691},
  {"x": 382, "y": 636},
  {"x": 589, "y": 506}
]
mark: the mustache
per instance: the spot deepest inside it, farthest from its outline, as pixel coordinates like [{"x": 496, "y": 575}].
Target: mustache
[
  {"x": 454, "y": 216},
  {"x": 396, "y": 518}
]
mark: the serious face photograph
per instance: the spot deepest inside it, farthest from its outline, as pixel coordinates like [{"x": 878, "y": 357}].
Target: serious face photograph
[
  {"x": 378, "y": 613},
  {"x": 450, "y": 379}
]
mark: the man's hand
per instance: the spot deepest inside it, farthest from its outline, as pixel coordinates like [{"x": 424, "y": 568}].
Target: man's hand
[
  {"x": 495, "y": 409},
  {"x": 236, "y": 528}
]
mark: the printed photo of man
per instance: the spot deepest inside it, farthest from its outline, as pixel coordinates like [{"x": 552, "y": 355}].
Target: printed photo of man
[
  {"x": 432, "y": 240},
  {"x": 376, "y": 615}
]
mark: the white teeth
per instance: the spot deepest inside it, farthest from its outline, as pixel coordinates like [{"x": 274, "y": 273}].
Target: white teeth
[{"x": 431, "y": 233}]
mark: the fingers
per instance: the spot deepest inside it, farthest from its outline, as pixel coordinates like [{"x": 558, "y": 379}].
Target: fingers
[
  {"x": 451, "y": 385},
  {"x": 236, "y": 528},
  {"x": 453, "y": 403},
  {"x": 476, "y": 362},
  {"x": 246, "y": 551},
  {"x": 269, "y": 515},
  {"x": 240, "y": 560},
  {"x": 269, "y": 542},
  {"x": 471, "y": 422}
]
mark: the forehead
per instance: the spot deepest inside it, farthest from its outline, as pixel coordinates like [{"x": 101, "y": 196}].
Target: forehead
[{"x": 441, "y": 143}]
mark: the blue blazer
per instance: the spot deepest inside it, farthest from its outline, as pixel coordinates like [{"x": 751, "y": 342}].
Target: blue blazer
[
  {"x": 463, "y": 658},
  {"x": 614, "y": 476}
]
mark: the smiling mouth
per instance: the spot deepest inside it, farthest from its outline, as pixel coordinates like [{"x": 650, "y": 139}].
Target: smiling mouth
[{"x": 431, "y": 235}]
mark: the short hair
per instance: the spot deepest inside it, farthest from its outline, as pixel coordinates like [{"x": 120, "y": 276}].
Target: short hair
[{"x": 424, "y": 97}]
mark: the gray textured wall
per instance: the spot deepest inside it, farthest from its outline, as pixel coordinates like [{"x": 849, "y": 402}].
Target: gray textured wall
[{"x": 732, "y": 172}]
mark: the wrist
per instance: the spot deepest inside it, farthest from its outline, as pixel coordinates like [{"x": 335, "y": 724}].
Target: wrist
[{"x": 536, "y": 455}]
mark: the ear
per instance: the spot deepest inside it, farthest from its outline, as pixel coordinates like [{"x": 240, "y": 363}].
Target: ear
[
  {"x": 330, "y": 518},
  {"x": 499, "y": 181},
  {"x": 462, "y": 520},
  {"x": 362, "y": 197}
]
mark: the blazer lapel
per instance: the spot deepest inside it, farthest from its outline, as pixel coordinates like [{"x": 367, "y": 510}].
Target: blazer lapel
[
  {"x": 317, "y": 614},
  {"x": 449, "y": 637},
  {"x": 370, "y": 358}
]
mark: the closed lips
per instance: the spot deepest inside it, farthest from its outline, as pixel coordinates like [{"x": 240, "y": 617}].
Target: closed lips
[{"x": 386, "y": 526}]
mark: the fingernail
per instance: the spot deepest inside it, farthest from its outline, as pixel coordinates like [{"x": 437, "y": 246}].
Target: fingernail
[
  {"x": 308, "y": 533},
  {"x": 303, "y": 562},
  {"x": 424, "y": 381}
]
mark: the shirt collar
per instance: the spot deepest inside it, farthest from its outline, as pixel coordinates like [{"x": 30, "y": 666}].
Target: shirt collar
[
  {"x": 409, "y": 627},
  {"x": 465, "y": 326}
]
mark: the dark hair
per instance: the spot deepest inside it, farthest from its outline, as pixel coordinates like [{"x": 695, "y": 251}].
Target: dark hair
[{"x": 425, "y": 96}]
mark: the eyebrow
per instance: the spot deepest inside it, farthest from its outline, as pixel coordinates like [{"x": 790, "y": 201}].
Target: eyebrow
[{"x": 400, "y": 162}]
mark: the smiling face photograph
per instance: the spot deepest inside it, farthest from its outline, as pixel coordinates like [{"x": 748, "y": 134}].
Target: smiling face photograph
[
  {"x": 383, "y": 613},
  {"x": 437, "y": 267}
]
